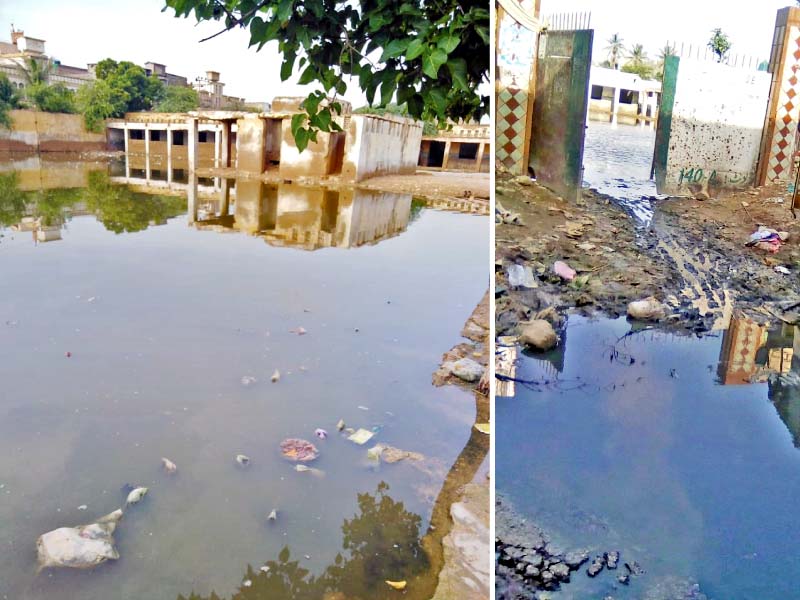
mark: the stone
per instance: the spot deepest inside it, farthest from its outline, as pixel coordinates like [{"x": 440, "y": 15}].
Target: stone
[
  {"x": 612, "y": 559},
  {"x": 575, "y": 559},
  {"x": 561, "y": 571},
  {"x": 522, "y": 180},
  {"x": 597, "y": 565},
  {"x": 539, "y": 335},
  {"x": 701, "y": 195},
  {"x": 80, "y": 547},
  {"x": 467, "y": 370},
  {"x": 648, "y": 309},
  {"x": 533, "y": 559}
]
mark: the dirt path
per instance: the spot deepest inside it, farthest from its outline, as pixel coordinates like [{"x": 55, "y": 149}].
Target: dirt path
[
  {"x": 435, "y": 185},
  {"x": 692, "y": 257}
]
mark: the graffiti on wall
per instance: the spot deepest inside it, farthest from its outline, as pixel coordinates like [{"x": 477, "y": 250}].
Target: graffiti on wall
[{"x": 689, "y": 175}]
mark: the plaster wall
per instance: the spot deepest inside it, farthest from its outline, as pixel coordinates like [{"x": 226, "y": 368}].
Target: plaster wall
[
  {"x": 715, "y": 132},
  {"x": 33, "y": 131},
  {"x": 381, "y": 145}
]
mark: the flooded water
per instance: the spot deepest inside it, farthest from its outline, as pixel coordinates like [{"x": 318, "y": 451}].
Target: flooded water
[
  {"x": 617, "y": 160},
  {"x": 667, "y": 449},
  {"x": 133, "y": 329}
]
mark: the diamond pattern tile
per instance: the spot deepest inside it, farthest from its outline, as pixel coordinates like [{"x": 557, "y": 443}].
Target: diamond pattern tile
[{"x": 510, "y": 134}]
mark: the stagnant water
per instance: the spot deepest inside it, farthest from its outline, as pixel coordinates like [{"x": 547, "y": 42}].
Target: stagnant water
[
  {"x": 128, "y": 334},
  {"x": 665, "y": 448},
  {"x": 617, "y": 160}
]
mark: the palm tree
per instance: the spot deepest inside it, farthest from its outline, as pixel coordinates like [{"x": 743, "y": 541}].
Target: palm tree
[
  {"x": 663, "y": 54},
  {"x": 637, "y": 56},
  {"x": 36, "y": 72},
  {"x": 615, "y": 48}
]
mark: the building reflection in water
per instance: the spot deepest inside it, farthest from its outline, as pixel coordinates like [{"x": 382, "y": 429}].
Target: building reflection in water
[
  {"x": 753, "y": 353},
  {"x": 304, "y": 217}
]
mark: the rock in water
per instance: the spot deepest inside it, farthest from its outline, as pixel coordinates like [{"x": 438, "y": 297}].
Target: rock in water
[
  {"x": 648, "y": 309},
  {"x": 467, "y": 369},
  {"x": 80, "y": 547},
  {"x": 538, "y": 334}
]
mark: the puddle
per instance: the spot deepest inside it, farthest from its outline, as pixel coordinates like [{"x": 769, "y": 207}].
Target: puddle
[
  {"x": 128, "y": 333},
  {"x": 617, "y": 161},
  {"x": 659, "y": 446}
]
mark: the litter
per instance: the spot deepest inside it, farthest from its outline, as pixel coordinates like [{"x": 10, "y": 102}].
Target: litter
[
  {"x": 321, "y": 433},
  {"x": 275, "y": 376},
  {"x": 398, "y": 585},
  {"x": 767, "y": 239},
  {"x": 169, "y": 466},
  {"x": 79, "y": 547},
  {"x": 83, "y": 507},
  {"x": 363, "y": 408},
  {"x": 563, "y": 270},
  {"x": 361, "y": 436},
  {"x": 243, "y": 460},
  {"x": 273, "y": 516},
  {"x": 648, "y": 309},
  {"x": 782, "y": 269},
  {"x": 340, "y": 425},
  {"x": 312, "y": 470},
  {"x": 391, "y": 454},
  {"x": 483, "y": 428},
  {"x": 298, "y": 450},
  {"x": 248, "y": 380},
  {"x": 136, "y": 496},
  {"x": 298, "y": 331},
  {"x": 520, "y": 276}
]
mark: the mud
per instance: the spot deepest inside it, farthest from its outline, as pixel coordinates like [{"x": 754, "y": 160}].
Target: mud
[{"x": 691, "y": 256}]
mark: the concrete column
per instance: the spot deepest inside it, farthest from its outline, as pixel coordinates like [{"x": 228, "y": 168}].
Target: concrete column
[
  {"x": 224, "y": 197},
  {"x": 127, "y": 137},
  {"x": 147, "y": 153},
  {"x": 217, "y": 148},
  {"x": 192, "y": 141},
  {"x": 479, "y": 158},
  {"x": 191, "y": 196},
  {"x": 169, "y": 153},
  {"x": 127, "y": 163},
  {"x": 446, "y": 154},
  {"x": 225, "y": 142},
  {"x": 614, "y": 105}
]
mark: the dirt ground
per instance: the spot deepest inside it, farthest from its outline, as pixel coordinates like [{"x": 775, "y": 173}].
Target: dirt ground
[
  {"x": 692, "y": 257},
  {"x": 435, "y": 185}
]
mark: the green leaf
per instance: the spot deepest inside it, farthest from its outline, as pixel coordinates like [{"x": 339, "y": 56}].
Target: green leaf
[
  {"x": 284, "y": 10},
  {"x": 458, "y": 70},
  {"x": 394, "y": 49},
  {"x": 297, "y": 123},
  {"x": 387, "y": 89},
  {"x": 308, "y": 75},
  {"x": 431, "y": 63},
  {"x": 324, "y": 119},
  {"x": 301, "y": 139},
  {"x": 415, "y": 48},
  {"x": 439, "y": 100},
  {"x": 448, "y": 42},
  {"x": 287, "y": 67}
]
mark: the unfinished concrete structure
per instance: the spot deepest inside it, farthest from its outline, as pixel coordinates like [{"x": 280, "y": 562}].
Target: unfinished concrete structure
[
  {"x": 465, "y": 147},
  {"x": 262, "y": 144},
  {"x": 617, "y": 96}
]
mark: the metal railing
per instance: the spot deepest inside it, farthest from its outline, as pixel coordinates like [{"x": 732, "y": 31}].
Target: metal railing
[
  {"x": 702, "y": 52},
  {"x": 568, "y": 21}
]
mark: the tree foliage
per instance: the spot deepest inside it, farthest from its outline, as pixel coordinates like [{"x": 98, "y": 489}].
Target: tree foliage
[
  {"x": 178, "y": 99},
  {"x": 9, "y": 100},
  {"x": 719, "y": 44},
  {"x": 615, "y": 49},
  {"x": 430, "y": 56},
  {"x": 143, "y": 92},
  {"x": 99, "y": 100},
  {"x": 55, "y": 98}
]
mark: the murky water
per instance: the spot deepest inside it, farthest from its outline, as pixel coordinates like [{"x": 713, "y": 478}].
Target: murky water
[
  {"x": 128, "y": 334},
  {"x": 661, "y": 447},
  {"x": 617, "y": 161}
]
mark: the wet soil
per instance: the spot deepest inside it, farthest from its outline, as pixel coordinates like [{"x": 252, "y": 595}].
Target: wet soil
[
  {"x": 435, "y": 185},
  {"x": 692, "y": 257}
]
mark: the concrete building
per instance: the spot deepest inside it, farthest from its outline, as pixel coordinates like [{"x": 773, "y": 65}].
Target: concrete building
[
  {"x": 617, "y": 96},
  {"x": 465, "y": 147},
  {"x": 261, "y": 144},
  {"x": 209, "y": 89},
  {"x": 160, "y": 71}
]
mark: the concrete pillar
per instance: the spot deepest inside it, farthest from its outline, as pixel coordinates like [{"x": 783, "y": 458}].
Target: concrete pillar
[
  {"x": 217, "y": 147},
  {"x": 614, "y": 105},
  {"x": 225, "y": 197},
  {"x": 192, "y": 141},
  {"x": 169, "y": 153},
  {"x": 127, "y": 163},
  {"x": 479, "y": 158},
  {"x": 127, "y": 135},
  {"x": 147, "y": 153},
  {"x": 225, "y": 142},
  {"x": 446, "y": 154}
]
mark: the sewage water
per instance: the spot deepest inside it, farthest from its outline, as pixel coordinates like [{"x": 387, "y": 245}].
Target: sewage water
[
  {"x": 660, "y": 447},
  {"x": 129, "y": 333},
  {"x": 617, "y": 161}
]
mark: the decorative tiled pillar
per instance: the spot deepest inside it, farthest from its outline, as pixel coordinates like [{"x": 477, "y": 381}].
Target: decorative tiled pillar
[
  {"x": 783, "y": 112},
  {"x": 515, "y": 61}
]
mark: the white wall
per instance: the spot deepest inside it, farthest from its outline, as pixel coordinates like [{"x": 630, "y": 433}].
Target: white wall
[
  {"x": 717, "y": 121},
  {"x": 381, "y": 145}
]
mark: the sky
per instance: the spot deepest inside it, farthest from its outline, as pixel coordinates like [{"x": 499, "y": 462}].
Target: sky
[
  {"x": 85, "y": 31},
  {"x": 749, "y": 25}
]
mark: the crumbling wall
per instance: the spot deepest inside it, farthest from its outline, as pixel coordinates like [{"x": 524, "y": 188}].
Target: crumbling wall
[
  {"x": 381, "y": 145},
  {"x": 712, "y": 136},
  {"x": 35, "y": 131}
]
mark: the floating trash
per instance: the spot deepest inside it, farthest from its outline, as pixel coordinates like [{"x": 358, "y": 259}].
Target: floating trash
[
  {"x": 298, "y": 450},
  {"x": 248, "y": 380},
  {"x": 397, "y": 585},
  {"x": 80, "y": 547},
  {"x": 321, "y": 433},
  {"x": 361, "y": 436},
  {"x": 312, "y": 470},
  {"x": 298, "y": 331},
  {"x": 136, "y": 495},
  {"x": 169, "y": 466},
  {"x": 243, "y": 459},
  {"x": 273, "y": 516},
  {"x": 340, "y": 425},
  {"x": 275, "y": 376}
]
